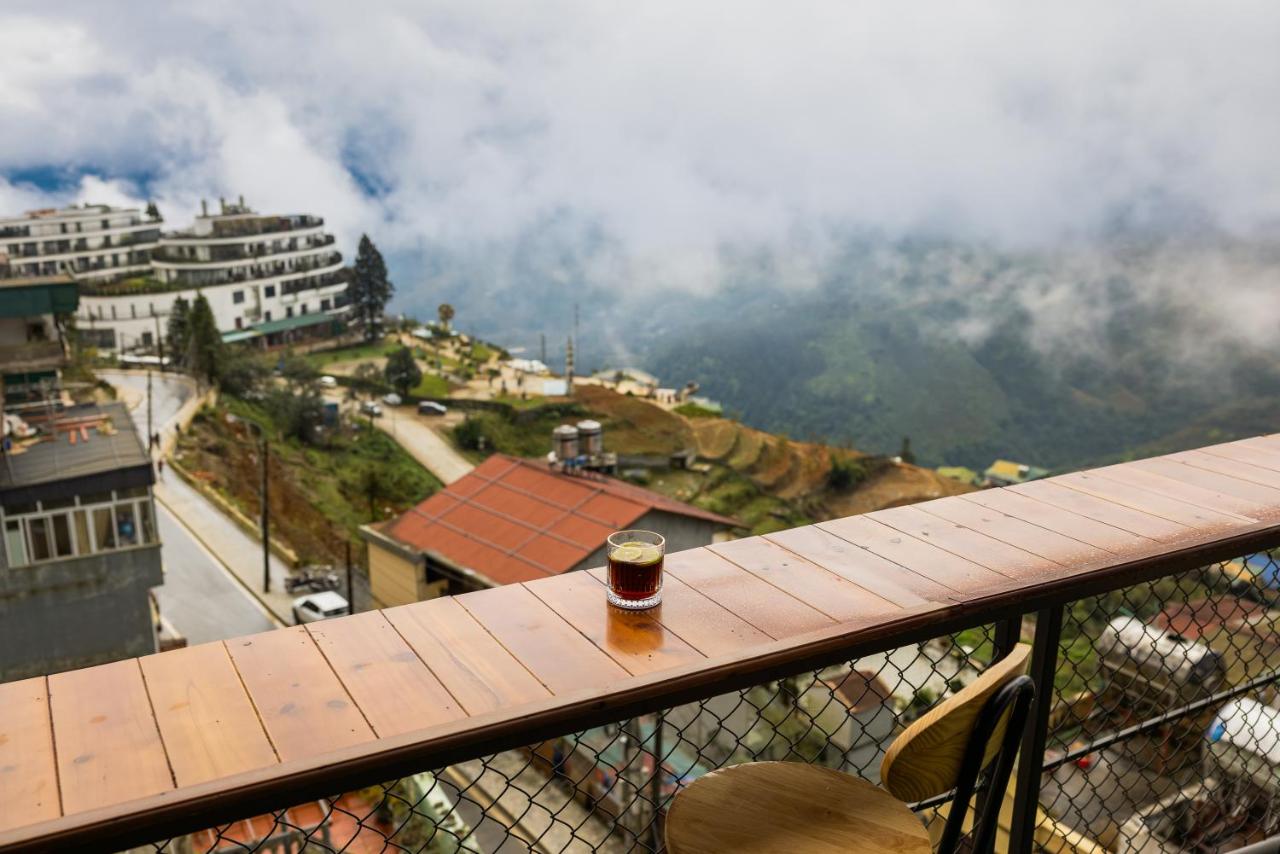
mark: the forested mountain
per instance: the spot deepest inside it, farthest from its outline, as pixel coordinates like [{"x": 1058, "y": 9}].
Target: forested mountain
[{"x": 1058, "y": 358}]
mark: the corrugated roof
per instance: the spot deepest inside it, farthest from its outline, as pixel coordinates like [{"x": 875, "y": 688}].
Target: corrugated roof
[{"x": 513, "y": 520}]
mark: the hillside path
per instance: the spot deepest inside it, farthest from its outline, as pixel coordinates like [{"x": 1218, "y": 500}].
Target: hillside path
[{"x": 427, "y": 446}]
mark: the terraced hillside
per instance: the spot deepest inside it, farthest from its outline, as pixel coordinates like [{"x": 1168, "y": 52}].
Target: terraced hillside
[{"x": 769, "y": 482}]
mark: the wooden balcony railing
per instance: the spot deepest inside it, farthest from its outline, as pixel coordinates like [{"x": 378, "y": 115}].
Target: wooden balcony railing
[{"x": 189, "y": 741}]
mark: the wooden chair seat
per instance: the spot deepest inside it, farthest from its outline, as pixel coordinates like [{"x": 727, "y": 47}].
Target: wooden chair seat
[{"x": 790, "y": 807}]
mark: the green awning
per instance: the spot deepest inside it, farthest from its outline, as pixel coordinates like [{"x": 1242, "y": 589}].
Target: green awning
[
  {"x": 287, "y": 323},
  {"x": 28, "y": 298}
]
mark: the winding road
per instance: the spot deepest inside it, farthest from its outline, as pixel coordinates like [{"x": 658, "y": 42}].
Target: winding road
[{"x": 200, "y": 597}]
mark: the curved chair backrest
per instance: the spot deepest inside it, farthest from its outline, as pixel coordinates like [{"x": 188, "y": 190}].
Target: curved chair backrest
[{"x": 925, "y": 760}]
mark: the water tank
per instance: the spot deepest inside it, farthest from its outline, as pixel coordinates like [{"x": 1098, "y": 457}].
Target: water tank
[
  {"x": 1137, "y": 657},
  {"x": 1243, "y": 743},
  {"x": 564, "y": 442},
  {"x": 591, "y": 438}
]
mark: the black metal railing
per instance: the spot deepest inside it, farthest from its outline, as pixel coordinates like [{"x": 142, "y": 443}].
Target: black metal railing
[{"x": 1157, "y": 729}]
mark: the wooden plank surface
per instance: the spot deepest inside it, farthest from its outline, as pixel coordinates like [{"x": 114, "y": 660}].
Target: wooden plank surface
[
  {"x": 943, "y": 567},
  {"x": 821, "y": 589},
  {"x": 1100, "y": 510},
  {"x": 392, "y": 686},
  {"x": 1060, "y": 521},
  {"x": 554, "y": 651},
  {"x": 1059, "y": 548},
  {"x": 702, "y": 623},
  {"x": 302, "y": 704},
  {"x": 1148, "y": 501},
  {"x": 1193, "y": 486},
  {"x": 1261, "y": 497},
  {"x": 1263, "y": 448},
  {"x": 996, "y": 555},
  {"x": 774, "y": 612},
  {"x": 480, "y": 674},
  {"x": 109, "y": 749},
  {"x": 1235, "y": 469},
  {"x": 28, "y": 769},
  {"x": 885, "y": 578},
  {"x": 1260, "y": 456},
  {"x": 637, "y": 640},
  {"x": 206, "y": 720}
]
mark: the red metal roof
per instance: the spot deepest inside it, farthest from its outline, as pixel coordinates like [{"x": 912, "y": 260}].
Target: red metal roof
[{"x": 513, "y": 520}]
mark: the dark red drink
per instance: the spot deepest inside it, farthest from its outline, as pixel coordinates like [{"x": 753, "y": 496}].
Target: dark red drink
[{"x": 635, "y": 573}]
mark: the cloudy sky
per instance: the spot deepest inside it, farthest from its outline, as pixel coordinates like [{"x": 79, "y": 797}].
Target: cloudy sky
[{"x": 672, "y": 128}]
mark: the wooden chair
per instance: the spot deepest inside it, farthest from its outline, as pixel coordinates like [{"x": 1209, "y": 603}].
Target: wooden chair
[{"x": 797, "y": 808}]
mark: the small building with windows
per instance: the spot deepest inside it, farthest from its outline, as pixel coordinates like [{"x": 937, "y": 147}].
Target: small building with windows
[{"x": 79, "y": 549}]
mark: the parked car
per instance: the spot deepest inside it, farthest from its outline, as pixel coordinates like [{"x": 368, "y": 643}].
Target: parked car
[
  {"x": 327, "y": 381},
  {"x": 319, "y": 606},
  {"x": 370, "y": 408},
  {"x": 430, "y": 407},
  {"x": 392, "y": 399}
]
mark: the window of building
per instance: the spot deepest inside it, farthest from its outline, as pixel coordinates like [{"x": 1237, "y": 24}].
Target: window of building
[
  {"x": 303, "y": 309},
  {"x": 237, "y": 297},
  {"x": 133, "y": 310},
  {"x": 81, "y": 526},
  {"x": 239, "y": 323},
  {"x": 269, "y": 290},
  {"x": 288, "y": 312},
  {"x": 325, "y": 304},
  {"x": 266, "y": 315},
  {"x": 113, "y": 311}
]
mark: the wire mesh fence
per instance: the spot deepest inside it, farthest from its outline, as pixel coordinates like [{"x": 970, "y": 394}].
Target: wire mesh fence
[{"x": 1161, "y": 738}]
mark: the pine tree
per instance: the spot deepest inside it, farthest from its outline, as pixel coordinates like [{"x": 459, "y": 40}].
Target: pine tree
[
  {"x": 402, "y": 371},
  {"x": 204, "y": 348},
  {"x": 179, "y": 329},
  {"x": 370, "y": 289},
  {"x": 153, "y": 212},
  {"x": 445, "y": 311}
]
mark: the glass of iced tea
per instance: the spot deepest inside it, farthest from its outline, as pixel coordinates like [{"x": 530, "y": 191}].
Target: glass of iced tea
[{"x": 635, "y": 569}]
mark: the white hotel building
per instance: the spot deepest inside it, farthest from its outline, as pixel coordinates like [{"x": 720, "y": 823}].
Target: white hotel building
[
  {"x": 271, "y": 279},
  {"x": 93, "y": 243}
]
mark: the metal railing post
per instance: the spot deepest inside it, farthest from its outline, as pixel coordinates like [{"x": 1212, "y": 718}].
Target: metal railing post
[
  {"x": 1008, "y": 633},
  {"x": 1044, "y": 664}
]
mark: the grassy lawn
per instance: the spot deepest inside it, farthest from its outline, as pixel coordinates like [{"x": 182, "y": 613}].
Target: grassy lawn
[
  {"x": 432, "y": 386},
  {"x": 347, "y": 354}
]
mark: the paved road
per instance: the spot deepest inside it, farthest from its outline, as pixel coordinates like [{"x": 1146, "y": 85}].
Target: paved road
[
  {"x": 426, "y": 445},
  {"x": 199, "y": 596}
]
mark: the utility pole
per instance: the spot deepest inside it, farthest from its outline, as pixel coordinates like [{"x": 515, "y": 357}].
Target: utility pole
[
  {"x": 543, "y": 348},
  {"x": 150, "y": 430},
  {"x": 159, "y": 337},
  {"x": 266, "y": 520},
  {"x": 351, "y": 597},
  {"x": 568, "y": 367}
]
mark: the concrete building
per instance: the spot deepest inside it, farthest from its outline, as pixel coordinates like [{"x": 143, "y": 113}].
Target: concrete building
[
  {"x": 94, "y": 243},
  {"x": 268, "y": 277},
  {"x": 80, "y": 551},
  {"x": 513, "y": 520}
]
